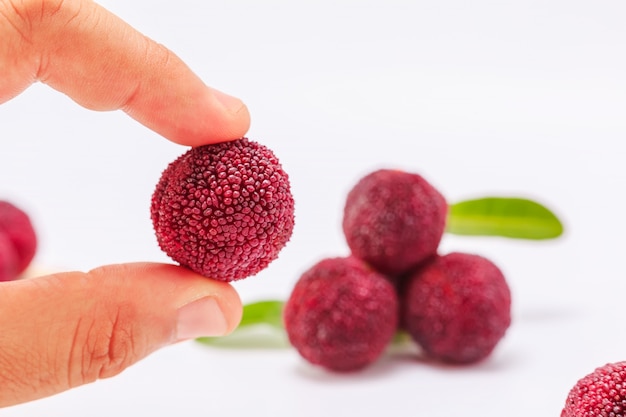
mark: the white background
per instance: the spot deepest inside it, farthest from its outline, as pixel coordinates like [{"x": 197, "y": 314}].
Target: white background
[{"x": 482, "y": 98}]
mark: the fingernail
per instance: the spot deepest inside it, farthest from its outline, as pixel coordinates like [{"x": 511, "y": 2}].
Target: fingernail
[
  {"x": 232, "y": 104},
  {"x": 201, "y": 318}
]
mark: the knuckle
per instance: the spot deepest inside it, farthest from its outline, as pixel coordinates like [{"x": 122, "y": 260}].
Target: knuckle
[
  {"x": 35, "y": 19},
  {"x": 103, "y": 346},
  {"x": 36, "y": 11},
  {"x": 35, "y": 24},
  {"x": 30, "y": 12},
  {"x": 16, "y": 14}
]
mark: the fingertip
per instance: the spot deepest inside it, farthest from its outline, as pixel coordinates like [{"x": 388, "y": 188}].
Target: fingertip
[
  {"x": 231, "y": 306},
  {"x": 112, "y": 66},
  {"x": 231, "y": 104},
  {"x": 213, "y": 309},
  {"x": 215, "y": 117}
]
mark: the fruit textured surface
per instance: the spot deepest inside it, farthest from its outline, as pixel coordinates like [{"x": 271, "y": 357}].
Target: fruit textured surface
[
  {"x": 602, "y": 393},
  {"x": 394, "y": 220},
  {"x": 16, "y": 225},
  {"x": 457, "y": 307},
  {"x": 224, "y": 210},
  {"x": 341, "y": 314}
]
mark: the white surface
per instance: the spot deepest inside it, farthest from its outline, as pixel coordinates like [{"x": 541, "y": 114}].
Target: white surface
[{"x": 483, "y": 97}]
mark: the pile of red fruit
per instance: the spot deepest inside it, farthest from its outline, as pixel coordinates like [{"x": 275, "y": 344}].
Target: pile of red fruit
[
  {"x": 344, "y": 312},
  {"x": 18, "y": 241}
]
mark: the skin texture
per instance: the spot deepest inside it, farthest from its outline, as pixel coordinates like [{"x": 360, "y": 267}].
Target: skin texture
[
  {"x": 68, "y": 329},
  {"x": 457, "y": 307},
  {"x": 16, "y": 225},
  {"x": 602, "y": 393},
  {"x": 224, "y": 220},
  {"x": 394, "y": 220},
  {"x": 341, "y": 314}
]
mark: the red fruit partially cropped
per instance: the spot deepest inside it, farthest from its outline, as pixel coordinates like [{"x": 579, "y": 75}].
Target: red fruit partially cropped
[
  {"x": 457, "y": 307},
  {"x": 8, "y": 259},
  {"x": 224, "y": 210},
  {"x": 394, "y": 220},
  {"x": 18, "y": 228},
  {"x": 341, "y": 314},
  {"x": 602, "y": 393}
]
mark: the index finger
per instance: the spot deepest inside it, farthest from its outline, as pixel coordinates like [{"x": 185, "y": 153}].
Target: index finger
[{"x": 101, "y": 62}]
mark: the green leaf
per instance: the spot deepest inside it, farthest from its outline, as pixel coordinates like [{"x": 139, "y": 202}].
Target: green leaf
[
  {"x": 261, "y": 327},
  {"x": 267, "y": 312},
  {"x": 250, "y": 337},
  {"x": 511, "y": 217}
]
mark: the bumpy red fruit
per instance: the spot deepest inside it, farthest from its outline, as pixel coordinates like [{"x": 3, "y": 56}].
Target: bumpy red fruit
[
  {"x": 341, "y": 314},
  {"x": 17, "y": 226},
  {"x": 8, "y": 259},
  {"x": 457, "y": 307},
  {"x": 224, "y": 210},
  {"x": 599, "y": 394},
  {"x": 394, "y": 220}
]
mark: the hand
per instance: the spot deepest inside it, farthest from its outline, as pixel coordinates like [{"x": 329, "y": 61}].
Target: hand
[{"x": 68, "y": 329}]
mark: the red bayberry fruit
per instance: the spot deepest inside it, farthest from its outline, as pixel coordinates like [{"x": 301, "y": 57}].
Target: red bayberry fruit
[
  {"x": 394, "y": 220},
  {"x": 8, "y": 259},
  {"x": 602, "y": 393},
  {"x": 16, "y": 225},
  {"x": 224, "y": 210},
  {"x": 341, "y": 314},
  {"x": 457, "y": 307}
]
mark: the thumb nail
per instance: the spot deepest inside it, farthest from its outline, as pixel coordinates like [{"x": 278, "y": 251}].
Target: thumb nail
[
  {"x": 200, "y": 318},
  {"x": 232, "y": 104}
]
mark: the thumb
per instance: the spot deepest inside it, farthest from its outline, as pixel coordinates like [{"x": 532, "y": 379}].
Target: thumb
[{"x": 69, "y": 329}]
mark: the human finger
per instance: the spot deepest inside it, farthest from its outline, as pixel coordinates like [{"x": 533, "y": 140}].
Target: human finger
[
  {"x": 69, "y": 329},
  {"x": 101, "y": 62}
]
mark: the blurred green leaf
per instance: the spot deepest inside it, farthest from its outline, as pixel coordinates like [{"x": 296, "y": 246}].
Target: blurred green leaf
[
  {"x": 500, "y": 216},
  {"x": 250, "y": 337},
  {"x": 268, "y": 312},
  {"x": 261, "y": 327}
]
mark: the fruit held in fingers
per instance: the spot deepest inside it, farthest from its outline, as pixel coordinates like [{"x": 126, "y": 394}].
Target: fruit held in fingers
[{"x": 224, "y": 210}]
